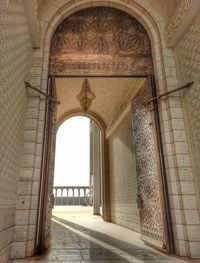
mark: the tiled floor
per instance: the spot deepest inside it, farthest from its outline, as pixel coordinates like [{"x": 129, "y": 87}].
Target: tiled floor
[{"x": 80, "y": 237}]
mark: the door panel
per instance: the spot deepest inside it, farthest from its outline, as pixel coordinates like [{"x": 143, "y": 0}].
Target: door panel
[
  {"x": 50, "y": 172},
  {"x": 148, "y": 169},
  {"x": 46, "y": 199}
]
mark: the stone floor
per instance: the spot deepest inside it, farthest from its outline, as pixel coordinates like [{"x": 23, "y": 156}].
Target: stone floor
[{"x": 80, "y": 237}]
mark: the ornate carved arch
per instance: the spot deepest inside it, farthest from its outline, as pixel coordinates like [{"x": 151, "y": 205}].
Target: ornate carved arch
[{"x": 100, "y": 41}]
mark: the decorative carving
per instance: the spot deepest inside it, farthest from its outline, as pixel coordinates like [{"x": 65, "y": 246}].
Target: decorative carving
[
  {"x": 53, "y": 112},
  {"x": 180, "y": 13},
  {"x": 50, "y": 184},
  {"x": 42, "y": 3},
  {"x": 147, "y": 168},
  {"x": 100, "y": 37},
  {"x": 35, "y": 7},
  {"x": 136, "y": 66}
]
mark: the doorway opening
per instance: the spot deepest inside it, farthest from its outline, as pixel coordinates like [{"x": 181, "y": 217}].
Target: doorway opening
[
  {"x": 78, "y": 164},
  {"x": 71, "y": 174},
  {"x": 114, "y": 53}
]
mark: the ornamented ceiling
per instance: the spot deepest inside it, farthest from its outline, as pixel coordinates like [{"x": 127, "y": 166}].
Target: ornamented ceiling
[
  {"x": 100, "y": 41},
  {"x": 112, "y": 95}
]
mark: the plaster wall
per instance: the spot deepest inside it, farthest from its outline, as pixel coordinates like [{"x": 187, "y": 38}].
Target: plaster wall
[
  {"x": 15, "y": 62},
  {"x": 123, "y": 179}
]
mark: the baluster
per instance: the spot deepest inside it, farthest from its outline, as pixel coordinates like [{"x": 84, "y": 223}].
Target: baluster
[
  {"x": 73, "y": 195},
  {"x": 56, "y": 196},
  {"x": 85, "y": 196},
  {"x": 79, "y": 200},
  {"x": 67, "y": 196},
  {"x": 61, "y": 198}
]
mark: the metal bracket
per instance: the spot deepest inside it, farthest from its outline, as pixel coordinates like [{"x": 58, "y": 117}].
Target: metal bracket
[
  {"x": 188, "y": 85},
  {"x": 28, "y": 85}
]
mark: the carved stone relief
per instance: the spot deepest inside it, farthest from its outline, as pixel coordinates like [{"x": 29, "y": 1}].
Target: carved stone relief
[
  {"x": 50, "y": 200},
  {"x": 181, "y": 12},
  {"x": 152, "y": 226},
  {"x": 100, "y": 41},
  {"x": 52, "y": 148}
]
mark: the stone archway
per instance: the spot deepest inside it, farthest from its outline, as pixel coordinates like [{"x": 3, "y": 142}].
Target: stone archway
[
  {"x": 102, "y": 153},
  {"x": 105, "y": 41},
  {"x": 164, "y": 65},
  {"x": 98, "y": 159}
]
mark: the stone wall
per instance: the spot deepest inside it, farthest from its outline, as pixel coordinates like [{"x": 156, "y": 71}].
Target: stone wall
[
  {"x": 188, "y": 65},
  {"x": 30, "y": 167},
  {"x": 175, "y": 143},
  {"x": 15, "y": 65},
  {"x": 180, "y": 178},
  {"x": 123, "y": 181}
]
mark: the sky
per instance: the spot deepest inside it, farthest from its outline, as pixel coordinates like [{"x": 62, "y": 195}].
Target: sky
[{"x": 72, "y": 153}]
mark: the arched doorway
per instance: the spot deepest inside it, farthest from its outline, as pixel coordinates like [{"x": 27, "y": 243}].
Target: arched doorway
[
  {"x": 107, "y": 43},
  {"x": 78, "y": 164},
  {"x": 72, "y": 162}
]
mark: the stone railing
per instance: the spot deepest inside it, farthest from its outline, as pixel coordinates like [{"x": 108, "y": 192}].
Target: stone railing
[{"x": 72, "y": 195}]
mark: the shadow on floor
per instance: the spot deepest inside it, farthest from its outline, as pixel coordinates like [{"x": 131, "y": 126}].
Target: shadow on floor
[{"x": 94, "y": 246}]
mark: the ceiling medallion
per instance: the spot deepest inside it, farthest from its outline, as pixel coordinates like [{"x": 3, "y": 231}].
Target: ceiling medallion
[{"x": 86, "y": 96}]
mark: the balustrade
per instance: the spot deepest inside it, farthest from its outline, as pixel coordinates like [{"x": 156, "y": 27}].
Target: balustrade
[{"x": 72, "y": 195}]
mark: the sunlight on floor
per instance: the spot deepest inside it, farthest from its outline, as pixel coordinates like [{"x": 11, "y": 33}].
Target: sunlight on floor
[{"x": 78, "y": 236}]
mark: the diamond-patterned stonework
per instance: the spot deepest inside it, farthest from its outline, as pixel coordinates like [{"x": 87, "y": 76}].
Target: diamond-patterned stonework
[
  {"x": 15, "y": 58},
  {"x": 188, "y": 59}
]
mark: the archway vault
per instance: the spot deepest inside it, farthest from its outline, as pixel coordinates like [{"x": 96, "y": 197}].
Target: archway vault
[
  {"x": 119, "y": 91},
  {"x": 166, "y": 79},
  {"x": 95, "y": 43},
  {"x": 150, "y": 19}
]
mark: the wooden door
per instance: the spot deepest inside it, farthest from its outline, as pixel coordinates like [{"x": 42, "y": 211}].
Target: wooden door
[
  {"x": 47, "y": 175},
  {"x": 151, "y": 200},
  {"x": 50, "y": 168}
]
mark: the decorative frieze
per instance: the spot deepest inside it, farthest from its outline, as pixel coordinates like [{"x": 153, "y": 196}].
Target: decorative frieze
[{"x": 138, "y": 66}]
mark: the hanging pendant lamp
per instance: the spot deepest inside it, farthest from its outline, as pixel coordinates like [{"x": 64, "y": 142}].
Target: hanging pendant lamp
[{"x": 86, "y": 96}]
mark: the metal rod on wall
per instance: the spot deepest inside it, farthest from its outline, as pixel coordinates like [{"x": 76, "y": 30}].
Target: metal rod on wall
[
  {"x": 43, "y": 199},
  {"x": 188, "y": 85},
  {"x": 167, "y": 212},
  {"x": 28, "y": 85}
]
